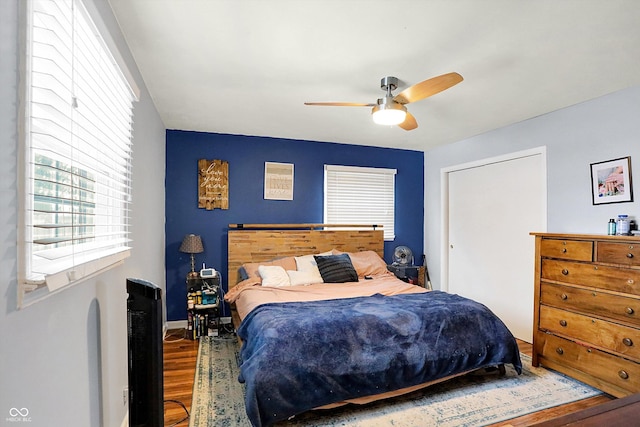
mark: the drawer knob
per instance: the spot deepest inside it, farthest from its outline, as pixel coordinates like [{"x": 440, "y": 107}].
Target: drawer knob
[
  {"x": 627, "y": 342},
  {"x": 565, "y": 271},
  {"x": 559, "y": 350},
  {"x": 630, "y": 310},
  {"x": 630, "y": 281},
  {"x": 564, "y": 296},
  {"x": 564, "y": 250},
  {"x": 564, "y": 323},
  {"x": 623, "y": 374}
]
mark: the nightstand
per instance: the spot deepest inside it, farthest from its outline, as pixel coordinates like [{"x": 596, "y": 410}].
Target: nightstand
[
  {"x": 414, "y": 274},
  {"x": 203, "y": 303}
]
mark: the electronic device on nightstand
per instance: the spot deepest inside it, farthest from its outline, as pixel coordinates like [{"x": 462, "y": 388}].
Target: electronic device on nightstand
[{"x": 208, "y": 273}]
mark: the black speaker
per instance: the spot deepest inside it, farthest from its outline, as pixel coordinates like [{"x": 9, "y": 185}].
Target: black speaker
[{"x": 144, "y": 330}]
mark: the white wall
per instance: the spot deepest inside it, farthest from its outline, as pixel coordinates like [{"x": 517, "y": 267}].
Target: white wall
[
  {"x": 601, "y": 129},
  {"x": 65, "y": 358}
]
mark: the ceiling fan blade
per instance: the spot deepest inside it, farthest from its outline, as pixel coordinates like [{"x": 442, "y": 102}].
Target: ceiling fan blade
[
  {"x": 428, "y": 88},
  {"x": 409, "y": 122},
  {"x": 340, "y": 104}
]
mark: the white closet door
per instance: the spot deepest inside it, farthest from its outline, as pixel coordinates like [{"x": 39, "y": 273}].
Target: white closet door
[{"x": 492, "y": 210}]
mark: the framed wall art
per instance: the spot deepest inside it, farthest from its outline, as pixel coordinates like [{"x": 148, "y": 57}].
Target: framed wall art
[
  {"x": 278, "y": 181},
  {"x": 213, "y": 184},
  {"x": 611, "y": 181}
]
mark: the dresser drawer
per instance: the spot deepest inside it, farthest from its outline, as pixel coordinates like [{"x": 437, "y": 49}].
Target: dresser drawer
[
  {"x": 618, "y": 253},
  {"x": 621, "y": 373},
  {"x": 609, "y": 336},
  {"x": 586, "y": 301},
  {"x": 567, "y": 249},
  {"x": 597, "y": 276}
]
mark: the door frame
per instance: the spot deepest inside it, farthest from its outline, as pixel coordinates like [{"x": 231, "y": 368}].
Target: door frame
[{"x": 444, "y": 199}]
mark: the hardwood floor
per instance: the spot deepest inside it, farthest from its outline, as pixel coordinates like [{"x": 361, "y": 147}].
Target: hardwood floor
[
  {"x": 180, "y": 356},
  {"x": 179, "y": 368},
  {"x": 548, "y": 414}
]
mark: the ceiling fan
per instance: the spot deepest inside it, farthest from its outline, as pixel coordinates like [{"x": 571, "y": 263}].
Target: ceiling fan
[{"x": 391, "y": 109}]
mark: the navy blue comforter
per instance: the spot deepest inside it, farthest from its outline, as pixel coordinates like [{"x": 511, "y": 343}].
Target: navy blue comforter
[{"x": 298, "y": 356}]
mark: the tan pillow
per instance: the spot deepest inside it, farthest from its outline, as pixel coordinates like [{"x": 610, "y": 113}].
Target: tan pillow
[
  {"x": 368, "y": 263},
  {"x": 288, "y": 263}
]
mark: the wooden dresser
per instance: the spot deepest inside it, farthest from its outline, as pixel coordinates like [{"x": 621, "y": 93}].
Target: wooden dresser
[{"x": 587, "y": 309}]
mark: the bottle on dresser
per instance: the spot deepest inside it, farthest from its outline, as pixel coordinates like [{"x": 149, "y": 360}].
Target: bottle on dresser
[{"x": 622, "y": 225}]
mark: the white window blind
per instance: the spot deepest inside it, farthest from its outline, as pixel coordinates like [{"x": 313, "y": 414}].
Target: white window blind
[
  {"x": 77, "y": 158},
  {"x": 360, "y": 195}
]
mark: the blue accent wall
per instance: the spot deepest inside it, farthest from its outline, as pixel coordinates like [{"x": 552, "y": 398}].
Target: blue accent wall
[{"x": 246, "y": 156}]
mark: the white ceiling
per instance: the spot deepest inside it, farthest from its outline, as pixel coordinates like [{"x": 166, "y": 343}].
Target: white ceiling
[{"x": 247, "y": 66}]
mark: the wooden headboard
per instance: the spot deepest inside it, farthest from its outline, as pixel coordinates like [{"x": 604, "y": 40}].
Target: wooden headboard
[{"x": 264, "y": 242}]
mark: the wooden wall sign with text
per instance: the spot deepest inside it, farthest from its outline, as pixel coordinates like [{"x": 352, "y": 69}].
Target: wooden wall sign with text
[{"x": 213, "y": 184}]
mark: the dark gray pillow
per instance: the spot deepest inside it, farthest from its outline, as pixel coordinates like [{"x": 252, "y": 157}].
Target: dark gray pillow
[
  {"x": 242, "y": 273},
  {"x": 336, "y": 268}
]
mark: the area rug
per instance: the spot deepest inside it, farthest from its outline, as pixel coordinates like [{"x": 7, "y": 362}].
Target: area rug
[{"x": 218, "y": 397}]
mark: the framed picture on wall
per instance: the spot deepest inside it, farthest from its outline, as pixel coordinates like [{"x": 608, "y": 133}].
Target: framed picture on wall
[
  {"x": 278, "y": 181},
  {"x": 611, "y": 181}
]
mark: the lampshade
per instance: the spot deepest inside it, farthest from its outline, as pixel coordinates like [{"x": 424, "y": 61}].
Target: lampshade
[
  {"x": 192, "y": 244},
  {"x": 389, "y": 113}
]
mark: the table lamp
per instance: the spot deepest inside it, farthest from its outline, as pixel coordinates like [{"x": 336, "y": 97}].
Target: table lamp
[{"x": 192, "y": 244}]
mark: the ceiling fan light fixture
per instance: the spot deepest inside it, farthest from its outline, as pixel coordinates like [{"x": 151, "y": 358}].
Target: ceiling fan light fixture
[
  {"x": 391, "y": 110},
  {"x": 389, "y": 113}
]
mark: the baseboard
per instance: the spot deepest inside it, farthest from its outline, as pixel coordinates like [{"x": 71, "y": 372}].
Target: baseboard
[{"x": 177, "y": 324}]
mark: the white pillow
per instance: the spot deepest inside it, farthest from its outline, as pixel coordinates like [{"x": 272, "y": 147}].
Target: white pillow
[
  {"x": 273, "y": 275},
  {"x": 306, "y": 277},
  {"x": 308, "y": 264}
]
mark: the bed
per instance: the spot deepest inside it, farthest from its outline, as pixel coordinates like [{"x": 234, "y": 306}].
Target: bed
[{"x": 323, "y": 323}]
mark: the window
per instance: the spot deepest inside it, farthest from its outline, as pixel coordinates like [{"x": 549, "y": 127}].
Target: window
[
  {"x": 77, "y": 150},
  {"x": 360, "y": 195}
]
